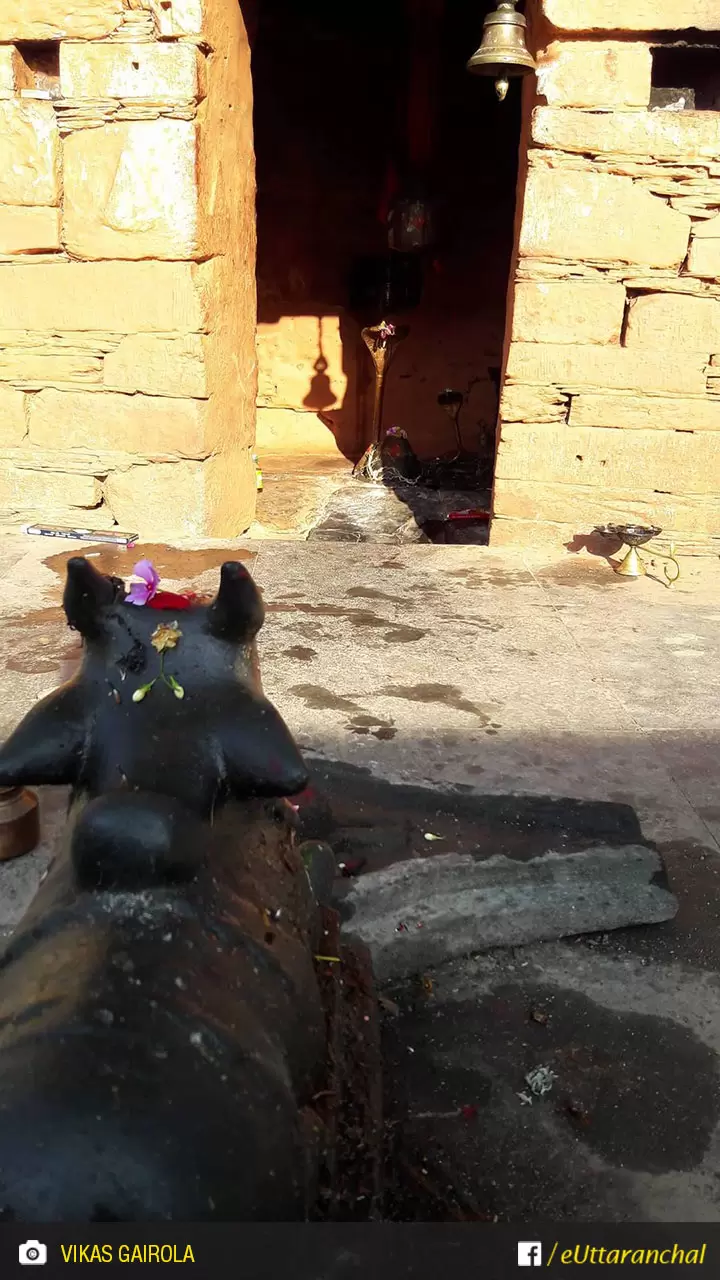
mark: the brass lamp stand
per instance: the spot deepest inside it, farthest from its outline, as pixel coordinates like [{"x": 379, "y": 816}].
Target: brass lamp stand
[{"x": 634, "y": 536}]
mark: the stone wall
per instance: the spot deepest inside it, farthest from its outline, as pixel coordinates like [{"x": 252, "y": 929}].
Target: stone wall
[
  {"x": 611, "y": 395},
  {"x": 127, "y": 249}
]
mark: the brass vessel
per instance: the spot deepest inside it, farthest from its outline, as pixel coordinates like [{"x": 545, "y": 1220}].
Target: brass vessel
[{"x": 19, "y": 822}]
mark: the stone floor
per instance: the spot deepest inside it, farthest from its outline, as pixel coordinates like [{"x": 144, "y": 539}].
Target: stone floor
[
  {"x": 316, "y": 498},
  {"x": 478, "y": 674}
]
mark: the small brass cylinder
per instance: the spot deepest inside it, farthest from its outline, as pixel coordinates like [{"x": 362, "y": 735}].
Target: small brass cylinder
[{"x": 19, "y": 822}]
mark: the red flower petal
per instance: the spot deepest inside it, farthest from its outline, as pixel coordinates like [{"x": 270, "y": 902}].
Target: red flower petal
[{"x": 170, "y": 600}]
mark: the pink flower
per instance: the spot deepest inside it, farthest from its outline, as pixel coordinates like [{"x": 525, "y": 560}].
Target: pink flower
[{"x": 141, "y": 592}]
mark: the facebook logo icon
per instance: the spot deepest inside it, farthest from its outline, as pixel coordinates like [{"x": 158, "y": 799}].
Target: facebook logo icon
[{"x": 530, "y": 1255}]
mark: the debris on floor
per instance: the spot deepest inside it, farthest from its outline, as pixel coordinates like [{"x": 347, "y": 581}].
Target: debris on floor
[{"x": 540, "y": 1081}]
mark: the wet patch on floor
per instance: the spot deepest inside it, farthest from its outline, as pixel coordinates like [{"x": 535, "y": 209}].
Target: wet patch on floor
[
  {"x": 37, "y": 642},
  {"x": 309, "y": 630},
  {"x": 444, "y": 695},
  {"x": 300, "y": 653},
  {"x": 370, "y": 593},
  {"x": 356, "y": 617},
  {"x": 316, "y": 698},
  {"x": 404, "y": 635},
  {"x": 491, "y": 576},
  {"x": 472, "y": 621},
  {"x": 176, "y": 564},
  {"x": 383, "y": 730}
]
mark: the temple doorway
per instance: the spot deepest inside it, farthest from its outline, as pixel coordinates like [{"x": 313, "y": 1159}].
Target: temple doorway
[{"x": 386, "y": 186}]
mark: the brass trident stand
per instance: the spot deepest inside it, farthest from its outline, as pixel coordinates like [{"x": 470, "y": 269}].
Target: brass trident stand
[{"x": 381, "y": 341}]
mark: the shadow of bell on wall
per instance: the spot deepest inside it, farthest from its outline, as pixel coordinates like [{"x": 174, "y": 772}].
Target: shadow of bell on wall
[{"x": 320, "y": 393}]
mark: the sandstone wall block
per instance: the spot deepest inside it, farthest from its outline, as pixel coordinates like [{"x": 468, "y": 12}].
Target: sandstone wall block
[
  {"x": 13, "y": 426},
  {"x": 704, "y": 258},
  {"x": 154, "y": 427},
  {"x": 120, "y": 297},
  {"x": 584, "y": 506},
  {"x": 47, "y": 494},
  {"x": 167, "y": 366},
  {"x": 532, "y": 404},
  {"x": 164, "y": 501},
  {"x": 130, "y": 191},
  {"x": 631, "y": 15},
  {"x": 684, "y": 137},
  {"x": 29, "y": 229},
  {"x": 59, "y": 19},
  {"x": 159, "y": 72},
  {"x": 568, "y": 311},
  {"x": 29, "y": 153},
  {"x": 178, "y": 17},
  {"x": 709, "y": 230},
  {"x": 554, "y": 538},
  {"x": 693, "y": 208},
  {"x": 7, "y": 71},
  {"x": 185, "y": 499},
  {"x": 603, "y": 368},
  {"x": 704, "y": 255},
  {"x": 609, "y": 459},
  {"x": 599, "y": 217},
  {"x": 640, "y": 413},
  {"x": 675, "y": 322},
  {"x": 36, "y": 367},
  {"x": 584, "y": 73},
  {"x": 82, "y": 462}
]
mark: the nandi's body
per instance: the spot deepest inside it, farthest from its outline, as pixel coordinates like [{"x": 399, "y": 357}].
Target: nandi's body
[{"x": 161, "y": 1032}]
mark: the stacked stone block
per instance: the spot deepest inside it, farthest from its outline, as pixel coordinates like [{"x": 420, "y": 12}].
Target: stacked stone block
[
  {"x": 127, "y": 306},
  {"x": 611, "y": 396}
]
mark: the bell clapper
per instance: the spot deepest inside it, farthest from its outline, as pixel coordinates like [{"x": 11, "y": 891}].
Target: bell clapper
[{"x": 501, "y": 88}]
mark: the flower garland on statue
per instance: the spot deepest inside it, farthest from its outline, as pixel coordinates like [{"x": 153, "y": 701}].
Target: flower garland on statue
[{"x": 166, "y": 635}]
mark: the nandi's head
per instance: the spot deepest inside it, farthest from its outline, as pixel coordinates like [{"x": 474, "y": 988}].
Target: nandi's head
[{"x": 165, "y": 701}]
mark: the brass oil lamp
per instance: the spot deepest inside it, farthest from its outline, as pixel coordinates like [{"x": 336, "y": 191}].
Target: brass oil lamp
[
  {"x": 634, "y": 536},
  {"x": 503, "y": 53}
]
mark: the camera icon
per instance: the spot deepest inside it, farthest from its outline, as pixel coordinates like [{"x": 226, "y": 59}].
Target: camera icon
[{"x": 32, "y": 1254}]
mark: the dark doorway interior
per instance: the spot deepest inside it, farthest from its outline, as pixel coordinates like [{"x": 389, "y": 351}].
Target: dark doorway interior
[{"x": 355, "y": 105}]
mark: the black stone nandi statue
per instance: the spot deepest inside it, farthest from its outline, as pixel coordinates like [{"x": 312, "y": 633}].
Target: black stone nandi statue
[{"x": 162, "y": 1033}]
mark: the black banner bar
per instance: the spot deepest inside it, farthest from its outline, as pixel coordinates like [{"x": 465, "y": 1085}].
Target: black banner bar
[{"x": 382, "y": 1251}]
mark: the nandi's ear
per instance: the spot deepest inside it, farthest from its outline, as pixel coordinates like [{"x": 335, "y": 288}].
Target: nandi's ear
[
  {"x": 86, "y": 593},
  {"x": 258, "y": 751},
  {"x": 237, "y": 612},
  {"x": 46, "y": 749}
]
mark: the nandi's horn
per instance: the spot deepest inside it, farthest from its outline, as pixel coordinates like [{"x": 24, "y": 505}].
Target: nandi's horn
[
  {"x": 86, "y": 593},
  {"x": 237, "y": 612}
]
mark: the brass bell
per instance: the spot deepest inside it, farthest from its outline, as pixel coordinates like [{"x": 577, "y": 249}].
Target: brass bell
[{"x": 503, "y": 52}]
